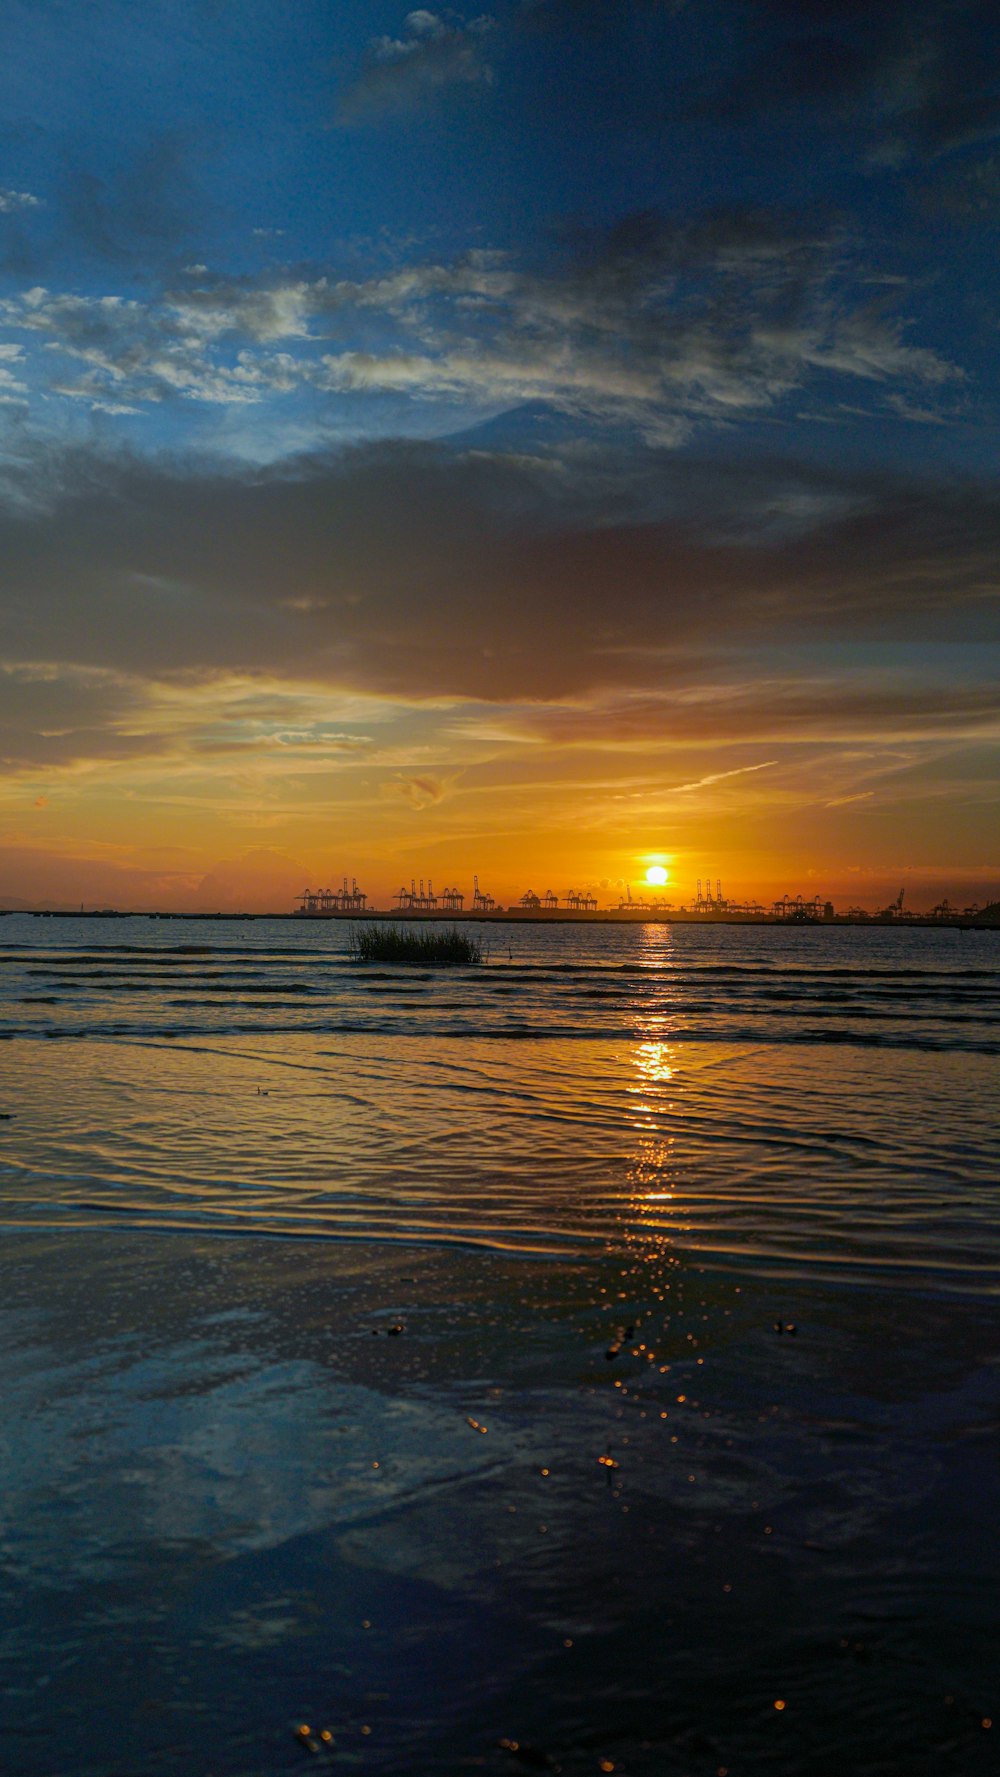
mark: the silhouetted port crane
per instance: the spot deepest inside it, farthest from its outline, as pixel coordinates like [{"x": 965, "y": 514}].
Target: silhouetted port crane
[
  {"x": 426, "y": 900},
  {"x": 417, "y": 900},
  {"x": 707, "y": 902},
  {"x": 581, "y": 903},
  {"x": 894, "y": 909},
  {"x": 656, "y": 903},
  {"x": 344, "y": 900},
  {"x": 481, "y": 902},
  {"x": 790, "y": 907}
]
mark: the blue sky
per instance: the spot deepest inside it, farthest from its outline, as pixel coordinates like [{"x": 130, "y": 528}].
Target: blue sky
[
  {"x": 170, "y": 157},
  {"x": 360, "y": 330}
]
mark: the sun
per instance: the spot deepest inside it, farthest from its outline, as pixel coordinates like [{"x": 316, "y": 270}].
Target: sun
[{"x": 656, "y": 875}]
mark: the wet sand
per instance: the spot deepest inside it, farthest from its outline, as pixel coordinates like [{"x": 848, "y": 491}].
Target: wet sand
[{"x": 404, "y": 1495}]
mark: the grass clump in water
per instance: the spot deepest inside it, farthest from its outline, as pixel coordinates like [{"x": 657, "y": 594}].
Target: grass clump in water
[{"x": 397, "y": 944}]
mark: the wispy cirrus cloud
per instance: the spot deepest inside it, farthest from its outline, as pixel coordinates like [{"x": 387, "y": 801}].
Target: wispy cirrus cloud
[
  {"x": 654, "y": 324},
  {"x": 718, "y": 777}
]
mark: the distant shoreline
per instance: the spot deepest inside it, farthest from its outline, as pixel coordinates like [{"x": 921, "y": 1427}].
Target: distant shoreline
[{"x": 519, "y": 916}]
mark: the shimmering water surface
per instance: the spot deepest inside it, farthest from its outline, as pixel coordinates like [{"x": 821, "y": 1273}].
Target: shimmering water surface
[{"x": 380, "y": 1474}]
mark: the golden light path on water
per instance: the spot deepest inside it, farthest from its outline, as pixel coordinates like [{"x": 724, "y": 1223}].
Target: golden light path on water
[{"x": 655, "y": 1065}]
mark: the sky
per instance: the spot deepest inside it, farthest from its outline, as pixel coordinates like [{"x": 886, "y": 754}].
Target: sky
[{"x": 540, "y": 442}]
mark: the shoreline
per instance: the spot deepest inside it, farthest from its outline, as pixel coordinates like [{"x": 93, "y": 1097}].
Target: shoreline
[{"x": 560, "y": 916}]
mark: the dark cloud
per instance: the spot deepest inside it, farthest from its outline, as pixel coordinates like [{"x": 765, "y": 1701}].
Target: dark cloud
[
  {"x": 23, "y": 216},
  {"x": 916, "y": 78},
  {"x": 867, "y": 708},
  {"x": 421, "y": 571},
  {"x": 56, "y": 716},
  {"x": 561, "y": 15},
  {"x": 150, "y": 206},
  {"x": 968, "y": 194}
]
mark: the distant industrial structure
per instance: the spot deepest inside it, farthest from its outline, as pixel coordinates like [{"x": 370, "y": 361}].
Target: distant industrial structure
[
  {"x": 573, "y": 900},
  {"x": 481, "y": 903},
  {"x": 420, "y": 900},
  {"x": 713, "y": 905},
  {"x": 945, "y": 910},
  {"x": 789, "y": 907},
  {"x": 417, "y": 900},
  {"x": 707, "y": 902},
  {"x": 894, "y": 909},
  {"x": 342, "y": 900},
  {"x": 794, "y": 907},
  {"x": 628, "y": 905}
]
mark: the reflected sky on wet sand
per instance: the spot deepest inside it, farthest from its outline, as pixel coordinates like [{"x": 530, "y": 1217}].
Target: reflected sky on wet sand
[{"x": 237, "y": 1500}]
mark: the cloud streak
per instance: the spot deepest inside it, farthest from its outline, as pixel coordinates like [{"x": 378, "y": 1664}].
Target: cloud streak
[
  {"x": 661, "y": 326},
  {"x": 718, "y": 777}
]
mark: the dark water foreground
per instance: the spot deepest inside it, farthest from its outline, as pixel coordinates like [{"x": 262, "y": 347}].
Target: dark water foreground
[
  {"x": 236, "y": 1501},
  {"x": 308, "y": 1416}
]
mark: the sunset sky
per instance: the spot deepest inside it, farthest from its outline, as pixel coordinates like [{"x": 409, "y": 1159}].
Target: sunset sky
[{"x": 541, "y": 441}]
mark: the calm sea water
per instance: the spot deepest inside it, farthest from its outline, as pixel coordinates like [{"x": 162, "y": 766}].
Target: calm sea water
[
  {"x": 821, "y": 1098},
  {"x": 504, "y": 1455},
  {"x": 912, "y": 988}
]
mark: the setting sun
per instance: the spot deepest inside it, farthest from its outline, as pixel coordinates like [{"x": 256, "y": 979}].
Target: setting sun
[{"x": 656, "y": 875}]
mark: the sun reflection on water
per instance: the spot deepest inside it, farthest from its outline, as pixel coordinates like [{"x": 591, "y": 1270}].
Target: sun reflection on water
[
  {"x": 651, "y": 1101},
  {"x": 652, "y": 1005},
  {"x": 654, "y": 1062}
]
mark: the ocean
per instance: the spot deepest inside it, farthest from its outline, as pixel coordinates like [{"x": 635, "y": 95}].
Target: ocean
[{"x": 586, "y": 1361}]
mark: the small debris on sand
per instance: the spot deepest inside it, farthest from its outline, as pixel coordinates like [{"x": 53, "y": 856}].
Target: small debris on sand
[
  {"x": 532, "y": 1756},
  {"x": 314, "y": 1740}
]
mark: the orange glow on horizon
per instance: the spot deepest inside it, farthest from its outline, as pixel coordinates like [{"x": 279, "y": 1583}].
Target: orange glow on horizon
[{"x": 237, "y": 794}]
